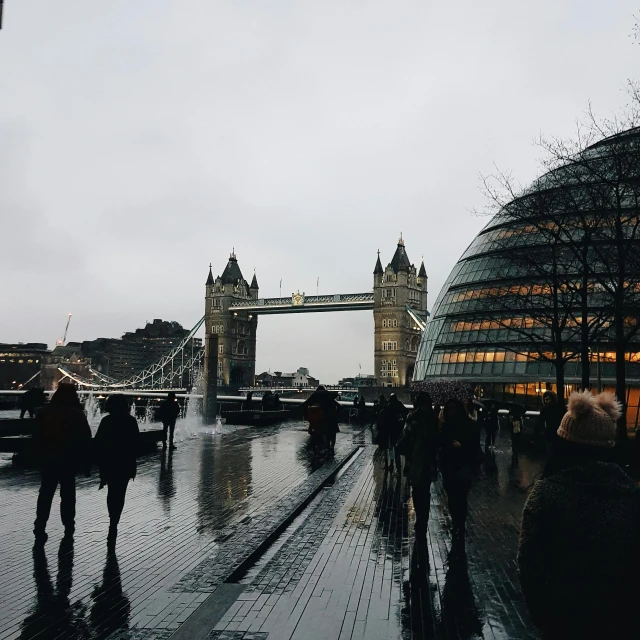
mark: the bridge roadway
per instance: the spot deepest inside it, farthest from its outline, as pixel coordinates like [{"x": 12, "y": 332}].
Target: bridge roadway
[{"x": 299, "y": 303}]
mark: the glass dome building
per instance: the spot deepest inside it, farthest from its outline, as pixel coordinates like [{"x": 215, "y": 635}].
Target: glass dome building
[{"x": 478, "y": 335}]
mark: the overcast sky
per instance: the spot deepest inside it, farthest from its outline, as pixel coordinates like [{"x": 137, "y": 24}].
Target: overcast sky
[{"x": 140, "y": 141}]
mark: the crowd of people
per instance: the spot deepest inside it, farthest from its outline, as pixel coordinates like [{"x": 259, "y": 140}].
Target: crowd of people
[
  {"x": 581, "y": 522},
  {"x": 580, "y": 525},
  {"x": 64, "y": 448}
]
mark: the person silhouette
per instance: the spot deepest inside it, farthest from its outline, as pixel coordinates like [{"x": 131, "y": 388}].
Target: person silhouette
[
  {"x": 169, "y": 412},
  {"x": 116, "y": 448},
  {"x": 61, "y": 441},
  {"x": 111, "y": 608}
]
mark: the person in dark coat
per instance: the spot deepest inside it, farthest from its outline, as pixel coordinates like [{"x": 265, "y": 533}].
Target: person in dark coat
[
  {"x": 329, "y": 407},
  {"x": 390, "y": 425},
  {"x": 549, "y": 419},
  {"x": 61, "y": 442},
  {"x": 247, "y": 405},
  {"x": 516, "y": 425},
  {"x": 26, "y": 403},
  {"x": 169, "y": 412},
  {"x": 116, "y": 449},
  {"x": 423, "y": 433},
  {"x": 267, "y": 397},
  {"x": 362, "y": 409},
  {"x": 457, "y": 461},
  {"x": 491, "y": 426},
  {"x": 577, "y": 558}
]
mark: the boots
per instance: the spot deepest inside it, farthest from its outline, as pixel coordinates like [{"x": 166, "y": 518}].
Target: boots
[{"x": 113, "y": 534}]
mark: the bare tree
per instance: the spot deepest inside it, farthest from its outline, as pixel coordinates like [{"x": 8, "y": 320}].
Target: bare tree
[{"x": 587, "y": 206}]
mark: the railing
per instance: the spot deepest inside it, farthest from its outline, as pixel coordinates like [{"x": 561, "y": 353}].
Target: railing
[{"x": 331, "y": 299}]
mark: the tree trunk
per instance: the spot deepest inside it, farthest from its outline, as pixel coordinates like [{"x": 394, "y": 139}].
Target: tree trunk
[
  {"x": 559, "y": 365},
  {"x": 584, "y": 337},
  {"x": 621, "y": 372}
]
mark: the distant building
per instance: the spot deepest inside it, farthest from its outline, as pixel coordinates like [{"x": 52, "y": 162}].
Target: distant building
[
  {"x": 20, "y": 362},
  {"x": 136, "y": 350},
  {"x": 68, "y": 357},
  {"x": 300, "y": 379},
  {"x": 358, "y": 381}
]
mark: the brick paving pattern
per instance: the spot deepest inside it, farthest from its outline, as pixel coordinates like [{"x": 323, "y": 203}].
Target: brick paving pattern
[{"x": 247, "y": 525}]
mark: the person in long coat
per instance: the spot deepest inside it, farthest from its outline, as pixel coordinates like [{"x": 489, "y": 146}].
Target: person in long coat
[
  {"x": 390, "y": 425},
  {"x": 116, "y": 448},
  {"x": 61, "y": 442},
  {"x": 578, "y": 556},
  {"x": 329, "y": 407},
  {"x": 169, "y": 412},
  {"x": 423, "y": 433},
  {"x": 457, "y": 461}
]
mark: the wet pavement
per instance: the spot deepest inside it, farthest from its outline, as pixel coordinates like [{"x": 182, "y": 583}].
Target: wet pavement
[{"x": 243, "y": 534}]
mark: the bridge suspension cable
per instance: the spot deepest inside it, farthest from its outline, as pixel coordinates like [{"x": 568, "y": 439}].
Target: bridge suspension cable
[{"x": 162, "y": 374}]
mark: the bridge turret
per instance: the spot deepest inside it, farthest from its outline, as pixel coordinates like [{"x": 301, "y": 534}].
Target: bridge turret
[
  {"x": 378, "y": 272},
  {"x": 253, "y": 289},
  {"x": 234, "y": 328},
  {"x": 396, "y": 335}
]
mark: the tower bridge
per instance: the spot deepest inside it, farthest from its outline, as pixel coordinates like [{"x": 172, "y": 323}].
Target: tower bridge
[
  {"x": 233, "y": 306},
  {"x": 232, "y": 309}
]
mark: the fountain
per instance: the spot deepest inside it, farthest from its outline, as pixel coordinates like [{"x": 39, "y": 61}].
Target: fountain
[{"x": 92, "y": 409}]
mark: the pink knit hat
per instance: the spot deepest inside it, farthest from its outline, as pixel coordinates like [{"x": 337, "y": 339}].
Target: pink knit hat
[{"x": 591, "y": 420}]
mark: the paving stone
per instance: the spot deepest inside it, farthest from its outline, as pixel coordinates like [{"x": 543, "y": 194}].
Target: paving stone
[{"x": 340, "y": 570}]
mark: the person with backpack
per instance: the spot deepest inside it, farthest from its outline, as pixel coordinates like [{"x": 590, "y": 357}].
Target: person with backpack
[
  {"x": 321, "y": 410},
  {"x": 116, "y": 449},
  {"x": 61, "y": 443}
]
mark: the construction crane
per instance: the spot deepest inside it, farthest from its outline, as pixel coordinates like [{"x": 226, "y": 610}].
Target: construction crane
[{"x": 61, "y": 342}]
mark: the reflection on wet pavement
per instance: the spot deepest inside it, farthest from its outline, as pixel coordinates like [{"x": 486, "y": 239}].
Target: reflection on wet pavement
[
  {"x": 348, "y": 566},
  {"x": 175, "y": 509}
]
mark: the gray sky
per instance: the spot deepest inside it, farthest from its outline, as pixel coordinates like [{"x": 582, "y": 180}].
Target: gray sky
[{"x": 140, "y": 141}]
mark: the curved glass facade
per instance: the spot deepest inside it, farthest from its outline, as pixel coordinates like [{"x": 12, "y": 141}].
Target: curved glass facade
[{"x": 472, "y": 335}]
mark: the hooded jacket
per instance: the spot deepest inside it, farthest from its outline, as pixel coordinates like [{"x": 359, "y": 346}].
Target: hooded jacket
[{"x": 577, "y": 557}]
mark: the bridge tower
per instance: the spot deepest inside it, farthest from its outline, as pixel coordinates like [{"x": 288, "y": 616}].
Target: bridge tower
[
  {"x": 396, "y": 336},
  {"x": 235, "y": 329}
]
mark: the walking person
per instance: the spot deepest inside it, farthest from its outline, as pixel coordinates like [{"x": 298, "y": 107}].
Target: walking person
[
  {"x": 577, "y": 557},
  {"x": 457, "y": 460},
  {"x": 61, "y": 441},
  {"x": 169, "y": 412},
  {"x": 116, "y": 448},
  {"x": 321, "y": 409},
  {"x": 26, "y": 403},
  {"x": 362, "y": 410},
  {"x": 491, "y": 426},
  {"x": 549, "y": 420},
  {"x": 421, "y": 431},
  {"x": 391, "y": 423},
  {"x": 516, "y": 424}
]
